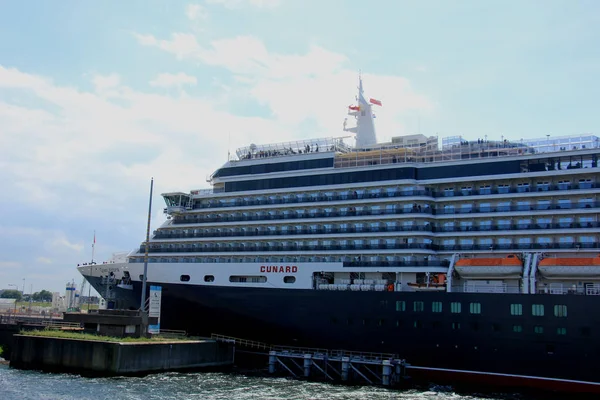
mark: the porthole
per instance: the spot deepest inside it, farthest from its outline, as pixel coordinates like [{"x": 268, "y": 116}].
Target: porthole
[
  {"x": 289, "y": 279},
  {"x": 184, "y": 278},
  {"x": 209, "y": 278}
]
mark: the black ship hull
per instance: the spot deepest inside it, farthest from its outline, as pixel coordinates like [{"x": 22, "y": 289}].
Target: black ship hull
[{"x": 493, "y": 341}]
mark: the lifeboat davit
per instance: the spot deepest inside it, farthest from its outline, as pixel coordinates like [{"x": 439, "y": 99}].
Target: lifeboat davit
[
  {"x": 489, "y": 268},
  {"x": 574, "y": 267},
  {"x": 437, "y": 282}
]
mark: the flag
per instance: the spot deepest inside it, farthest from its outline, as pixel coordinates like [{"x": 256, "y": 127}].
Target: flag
[
  {"x": 354, "y": 108},
  {"x": 94, "y": 244},
  {"x": 376, "y": 102}
]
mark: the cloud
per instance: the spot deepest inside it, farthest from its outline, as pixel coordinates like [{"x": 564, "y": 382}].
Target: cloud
[
  {"x": 301, "y": 87},
  {"x": 196, "y": 12},
  {"x": 9, "y": 264},
  {"x": 183, "y": 45},
  {"x": 167, "y": 80},
  {"x": 236, "y": 4},
  {"x": 44, "y": 260},
  {"x": 105, "y": 82},
  {"x": 63, "y": 242}
]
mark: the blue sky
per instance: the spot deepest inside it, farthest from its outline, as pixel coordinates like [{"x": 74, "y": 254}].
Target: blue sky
[{"x": 97, "y": 97}]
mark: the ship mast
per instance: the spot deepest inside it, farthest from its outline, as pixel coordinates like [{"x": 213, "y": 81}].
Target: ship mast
[{"x": 363, "y": 113}]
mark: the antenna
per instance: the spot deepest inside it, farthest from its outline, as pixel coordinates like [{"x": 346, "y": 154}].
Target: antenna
[
  {"x": 228, "y": 145},
  {"x": 93, "y": 246}
]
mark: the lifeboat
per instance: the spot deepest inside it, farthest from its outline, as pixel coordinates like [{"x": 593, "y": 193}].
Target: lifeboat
[
  {"x": 489, "y": 268},
  {"x": 565, "y": 267},
  {"x": 436, "y": 283}
]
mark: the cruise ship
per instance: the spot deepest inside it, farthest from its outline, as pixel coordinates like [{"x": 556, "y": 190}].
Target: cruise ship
[{"x": 476, "y": 257}]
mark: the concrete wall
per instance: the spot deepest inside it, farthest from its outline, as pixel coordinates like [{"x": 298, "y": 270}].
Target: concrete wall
[{"x": 97, "y": 358}]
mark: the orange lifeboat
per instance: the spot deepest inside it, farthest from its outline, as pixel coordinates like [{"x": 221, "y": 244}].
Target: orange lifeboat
[
  {"x": 570, "y": 267},
  {"x": 488, "y": 268}
]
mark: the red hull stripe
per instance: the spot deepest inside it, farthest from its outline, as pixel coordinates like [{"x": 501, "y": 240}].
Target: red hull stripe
[{"x": 510, "y": 379}]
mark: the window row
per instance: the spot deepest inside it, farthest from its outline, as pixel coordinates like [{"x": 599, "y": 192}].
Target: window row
[
  {"x": 238, "y": 278},
  {"x": 566, "y": 242},
  {"x": 475, "y": 326},
  {"x": 437, "y": 307},
  {"x": 537, "y": 310}
]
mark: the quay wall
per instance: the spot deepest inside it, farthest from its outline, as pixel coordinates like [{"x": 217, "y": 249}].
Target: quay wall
[{"x": 100, "y": 358}]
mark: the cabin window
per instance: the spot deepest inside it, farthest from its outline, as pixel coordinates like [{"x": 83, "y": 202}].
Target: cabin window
[
  {"x": 209, "y": 278},
  {"x": 516, "y": 309},
  {"x": 418, "y": 324},
  {"x": 517, "y": 328},
  {"x": 455, "y": 307},
  {"x": 503, "y": 188},
  {"x": 436, "y": 307},
  {"x": 184, "y": 278},
  {"x": 456, "y": 325},
  {"x": 538, "y": 329},
  {"x": 560, "y": 311},
  {"x": 537, "y": 310},
  {"x": 561, "y": 331},
  {"x": 249, "y": 278},
  {"x": 400, "y": 306},
  {"x": 289, "y": 279},
  {"x": 475, "y": 308},
  {"x": 418, "y": 306}
]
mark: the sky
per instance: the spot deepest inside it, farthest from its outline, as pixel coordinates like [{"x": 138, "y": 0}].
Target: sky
[{"x": 96, "y": 98}]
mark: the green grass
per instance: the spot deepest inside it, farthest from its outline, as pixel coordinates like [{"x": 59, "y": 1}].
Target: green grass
[
  {"x": 89, "y": 336},
  {"x": 33, "y": 304}
]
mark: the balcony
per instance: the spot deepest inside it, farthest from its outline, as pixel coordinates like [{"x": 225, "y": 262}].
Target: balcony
[{"x": 384, "y": 193}]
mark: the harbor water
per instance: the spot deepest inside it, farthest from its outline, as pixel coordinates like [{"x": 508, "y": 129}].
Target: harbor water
[{"x": 30, "y": 385}]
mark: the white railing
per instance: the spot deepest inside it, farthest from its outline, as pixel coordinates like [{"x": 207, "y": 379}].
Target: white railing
[
  {"x": 305, "y": 146},
  {"x": 559, "y": 288}
]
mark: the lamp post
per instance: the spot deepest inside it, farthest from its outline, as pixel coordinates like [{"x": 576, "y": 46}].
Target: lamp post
[
  {"x": 30, "y": 295},
  {"x": 17, "y": 289}
]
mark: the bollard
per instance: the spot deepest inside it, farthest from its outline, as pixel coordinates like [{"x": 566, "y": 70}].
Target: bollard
[
  {"x": 345, "y": 368},
  {"x": 387, "y": 372},
  {"x": 307, "y": 364},
  {"x": 272, "y": 362}
]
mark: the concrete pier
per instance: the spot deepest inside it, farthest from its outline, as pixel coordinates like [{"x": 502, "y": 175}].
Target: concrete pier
[{"x": 104, "y": 358}]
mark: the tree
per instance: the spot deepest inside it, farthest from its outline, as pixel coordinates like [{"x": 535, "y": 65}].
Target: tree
[
  {"x": 11, "y": 294},
  {"x": 43, "y": 295}
]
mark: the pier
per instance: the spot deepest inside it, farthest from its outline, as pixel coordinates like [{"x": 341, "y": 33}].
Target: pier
[
  {"x": 329, "y": 365},
  {"x": 112, "y": 358}
]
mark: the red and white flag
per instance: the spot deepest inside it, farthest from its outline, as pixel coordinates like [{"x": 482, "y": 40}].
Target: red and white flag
[
  {"x": 94, "y": 244},
  {"x": 376, "y": 102}
]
